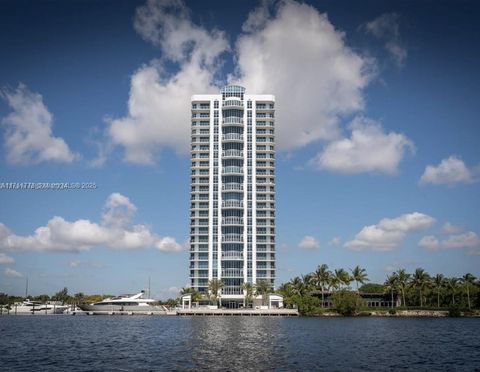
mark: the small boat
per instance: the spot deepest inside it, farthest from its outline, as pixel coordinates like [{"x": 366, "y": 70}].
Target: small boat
[{"x": 124, "y": 304}]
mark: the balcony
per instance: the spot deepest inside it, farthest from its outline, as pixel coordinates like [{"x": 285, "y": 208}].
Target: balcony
[
  {"x": 232, "y": 255},
  {"x": 232, "y": 273},
  {"x": 232, "y": 120},
  {"x": 232, "y": 170},
  {"x": 232, "y": 187},
  {"x": 232, "y": 221},
  {"x": 232, "y": 238},
  {"x": 232, "y": 104},
  {"x": 235, "y": 137},
  {"x": 232, "y": 204},
  {"x": 232, "y": 154}
]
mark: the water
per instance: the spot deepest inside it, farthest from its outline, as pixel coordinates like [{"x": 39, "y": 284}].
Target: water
[{"x": 126, "y": 343}]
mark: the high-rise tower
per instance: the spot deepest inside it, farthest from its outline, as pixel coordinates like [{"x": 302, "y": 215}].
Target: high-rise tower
[{"x": 232, "y": 210}]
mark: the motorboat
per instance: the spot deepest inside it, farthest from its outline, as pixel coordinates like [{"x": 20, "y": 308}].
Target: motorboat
[
  {"x": 124, "y": 304},
  {"x": 29, "y": 307}
]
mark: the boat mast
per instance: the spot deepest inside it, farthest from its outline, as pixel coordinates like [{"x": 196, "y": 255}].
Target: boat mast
[
  {"x": 26, "y": 288},
  {"x": 149, "y": 295}
]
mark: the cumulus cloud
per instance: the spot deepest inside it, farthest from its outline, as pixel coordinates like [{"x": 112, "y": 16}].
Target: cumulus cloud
[
  {"x": 429, "y": 242},
  {"x": 158, "y": 106},
  {"x": 449, "y": 228},
  {"x": 28, "y": 135},
  {"x": 389, "y": 233},
  {"x": 450, "y": 171},
  {"x": 328, "y": 77},
  {"x": 10, "y": 273},
  {"x": 5, "y": 260},
  {"x": 467, "y": 240},
  {"x": 369, "y": 149},
  {"x": 116, "y": 231},
  {"x": 335, "y": 241},
  {"x": 309, "y": 242},
  {"x": 387, "y": 28}
]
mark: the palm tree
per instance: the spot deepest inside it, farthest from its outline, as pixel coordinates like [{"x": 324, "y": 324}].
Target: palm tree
[
  {"x": 468, "y": 279},
  {"x": 419, "y": 281},
  {"x": 286, "y": 290},
  {"x": 452, "y": 286},
  {"x": 359, "y": 275},
  {"x": 343, "y": 277},
  {"x": 391, "y": 285},
  {"x": 439, "y": 282},
  {"x": 298, "y": 286},
  {"x": 402, "y": 280},
  {"x": 263, "y": 288},
  {"x": 249, "y": 288},
  {"x": 214, "y": 287},
  {"x": 322, "y": 279},
  {"x": 196, "y": 296}
]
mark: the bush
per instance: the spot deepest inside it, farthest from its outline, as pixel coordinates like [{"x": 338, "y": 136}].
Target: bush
[
  {"x": 308, "y": 305},
  {"x": 392, "y": 311},
  {"x": 454, "y": 312},
  {"x": 347, "y": 302}
]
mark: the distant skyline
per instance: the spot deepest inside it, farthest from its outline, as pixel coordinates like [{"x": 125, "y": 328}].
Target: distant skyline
[{"x": 378, "y": 156}]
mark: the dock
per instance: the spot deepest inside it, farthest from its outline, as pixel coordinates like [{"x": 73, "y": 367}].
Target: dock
[{"x": 237, "y": 312}]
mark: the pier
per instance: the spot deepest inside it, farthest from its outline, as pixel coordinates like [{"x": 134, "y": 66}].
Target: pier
[{"x": 237, "y": 312}]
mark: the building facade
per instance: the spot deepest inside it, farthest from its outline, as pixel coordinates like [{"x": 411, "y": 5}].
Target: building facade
[{"x": 232, "y": 209}]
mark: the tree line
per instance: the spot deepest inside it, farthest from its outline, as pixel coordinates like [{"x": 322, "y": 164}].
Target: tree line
[{"x": 418, "y": 289}]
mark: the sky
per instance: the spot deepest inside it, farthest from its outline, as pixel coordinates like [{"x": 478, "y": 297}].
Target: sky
[{"x": 377, "y": 135}]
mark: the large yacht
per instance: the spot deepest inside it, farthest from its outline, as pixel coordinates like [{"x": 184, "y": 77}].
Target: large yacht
[
  {"x": 124, "y": 304},
  {"x": 28, "y": 307}
]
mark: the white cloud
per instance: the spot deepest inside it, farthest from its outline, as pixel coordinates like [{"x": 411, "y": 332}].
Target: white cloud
[
  {"x": 465, "y": 240},
  {"x": 386, "y": 27},
  {"x": 94, "y": 264},
  {"x": 389, "y": 233},
  {"x": 450, "y": 171},
  {"x": 335, "y": 241},
  {"x": 10, "y": 273},
  {"x": 5, "y": 260},
  {"x": 158, "y": 106},
  {"x": 328, "y": 77},
  {"x": 369, "y": 149},
  {"x": 449, "y": 228},
  {"x": 115, "y": 231},
  {"x": 468, "y": 240},
  {"x": 429, "y": 242},
  {"x": 309, "y": 242},
  {"x": 28, "y": 135}
]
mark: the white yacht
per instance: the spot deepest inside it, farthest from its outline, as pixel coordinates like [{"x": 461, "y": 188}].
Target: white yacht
[
  {"x": 124, "y": 304},
  {"x": 29, "y": 307}
]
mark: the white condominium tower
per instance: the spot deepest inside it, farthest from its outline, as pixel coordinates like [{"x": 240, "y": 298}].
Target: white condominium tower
[{"x": 232, "y": 204}]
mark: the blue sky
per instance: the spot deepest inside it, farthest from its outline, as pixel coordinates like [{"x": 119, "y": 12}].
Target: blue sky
[{"x": 377, "y": 127}]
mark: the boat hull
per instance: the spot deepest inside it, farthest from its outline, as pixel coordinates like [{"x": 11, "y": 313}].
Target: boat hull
[{"x": 121, "y": 309}]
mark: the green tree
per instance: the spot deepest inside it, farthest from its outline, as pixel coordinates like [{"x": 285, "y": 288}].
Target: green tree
[
  {"x": 263, "y": 288},
  {"x": 391, "y": 285},
  {"x": 372, "y": 288},
  {"x": 347, "y": 302},
  {"x": 452, "y": 284},
  {"x": 420, "y": 281},
  {"x": 359, "y": 275},
  {"x": 79, "y": 297},
  {"x": 321, "y": 278},
  {"x": 214, "y": 287},
  {"x": 467, "y": 280},
  {"x": 402, "y": 280},
  {"x": 61, "y": 296},
  {"x": 343, "y": 277},
  {"x": 286, "y": 290},
  {"x": 438, "y": 282},
  {"x": 196, "y": 296},
  {"x": 249, "y": 289}
]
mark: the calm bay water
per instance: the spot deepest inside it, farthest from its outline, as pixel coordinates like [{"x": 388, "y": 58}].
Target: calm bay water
[{"x": 126, "y": 343}]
